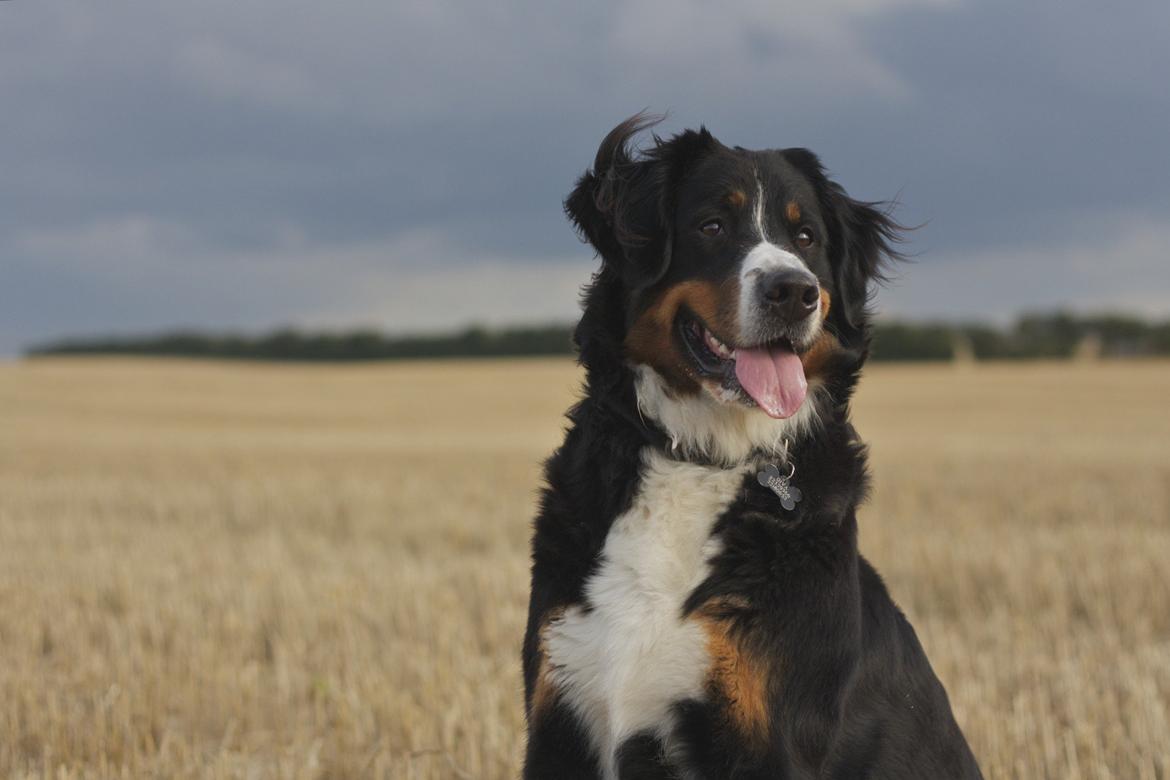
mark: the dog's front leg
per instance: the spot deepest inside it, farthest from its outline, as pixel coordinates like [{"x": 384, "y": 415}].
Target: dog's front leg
[{"x": 558, "y": 748}]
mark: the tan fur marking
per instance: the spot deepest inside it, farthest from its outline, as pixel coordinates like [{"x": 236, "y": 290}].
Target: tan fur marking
[
  {"x": 738, "y": 678},
  {"x": 651, "y": 339},
  {"x": 817, "y": 358},
  {"x": 826, "y": 303},
  {"x": 737, "y": 198},
  {"x": 792, "y": 211},
  {"x": 544, "y": 692}
]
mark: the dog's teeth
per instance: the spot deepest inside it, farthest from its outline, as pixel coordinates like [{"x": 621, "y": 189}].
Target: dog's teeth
[{"x": 717, "y": 346}]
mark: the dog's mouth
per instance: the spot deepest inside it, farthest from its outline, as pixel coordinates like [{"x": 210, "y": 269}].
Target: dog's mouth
[{"x": 769, "y": 375}]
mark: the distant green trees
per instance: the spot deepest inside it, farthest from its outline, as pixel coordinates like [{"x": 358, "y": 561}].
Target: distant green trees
[
  {"x": 290, "y": 344},
  {"x": 1049, "y": 335}
]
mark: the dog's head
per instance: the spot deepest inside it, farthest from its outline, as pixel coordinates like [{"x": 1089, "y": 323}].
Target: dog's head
[{"x": 743, "y": 277}]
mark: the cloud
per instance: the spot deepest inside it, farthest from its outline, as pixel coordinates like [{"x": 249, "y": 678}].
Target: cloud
[
  {"x": 138, "y": 274},
  {"x": 124, "y": 245},
  {"x": 1124, "y": 269},
  {"x": 756, "y": 48},
  {"x": 252, "y": 163},
  {"x": 230, "y": 72},
  {"x": 492, "y": 292}
]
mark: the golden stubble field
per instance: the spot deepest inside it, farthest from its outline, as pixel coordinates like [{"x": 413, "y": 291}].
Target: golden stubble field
[{"x": 232, "y": 570}]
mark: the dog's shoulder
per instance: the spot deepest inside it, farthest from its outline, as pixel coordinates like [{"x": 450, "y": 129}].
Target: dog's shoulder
[{"x": 896, "y": 717}]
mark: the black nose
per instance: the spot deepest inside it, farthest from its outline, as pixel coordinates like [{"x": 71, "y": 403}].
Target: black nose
[{"x": 791, "y": 293}]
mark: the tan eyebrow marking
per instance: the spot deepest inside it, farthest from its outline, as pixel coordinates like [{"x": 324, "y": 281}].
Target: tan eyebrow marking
[
  {"x": 792, "y": 211},
  {"x": 737, "y": 198}
]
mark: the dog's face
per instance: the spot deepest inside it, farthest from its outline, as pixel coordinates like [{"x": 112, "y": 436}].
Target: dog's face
[
  {"x": 744, "y": 272},
  {"x": 741, "y": 308}
]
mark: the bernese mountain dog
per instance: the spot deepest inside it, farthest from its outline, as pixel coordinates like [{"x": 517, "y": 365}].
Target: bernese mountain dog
[{"x": 699, "y": 608}]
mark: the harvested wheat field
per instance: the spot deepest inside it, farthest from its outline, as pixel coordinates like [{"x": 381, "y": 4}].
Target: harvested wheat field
[{"x": 233, "y": 570}]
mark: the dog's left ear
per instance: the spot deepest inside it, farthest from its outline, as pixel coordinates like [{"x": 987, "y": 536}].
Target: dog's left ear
[
  {"x": 624, "y": 206},
  {"x": 862, "y": 236},
  {"x": 868, "y": 236}
]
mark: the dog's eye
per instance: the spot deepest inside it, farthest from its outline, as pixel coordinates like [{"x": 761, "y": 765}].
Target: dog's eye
[
  {"x": 804, "y": 237},
  {"x": 712, "y": 228}
]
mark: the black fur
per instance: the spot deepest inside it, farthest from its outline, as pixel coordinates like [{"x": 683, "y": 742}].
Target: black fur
[{"x": 853, "y": 694}]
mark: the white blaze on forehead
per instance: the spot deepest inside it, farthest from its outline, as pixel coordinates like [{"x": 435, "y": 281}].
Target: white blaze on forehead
[
  {"x": 765, "y": 256},
  {"x": 758, "y": 212},
  {"x": 761, "y": 259}
]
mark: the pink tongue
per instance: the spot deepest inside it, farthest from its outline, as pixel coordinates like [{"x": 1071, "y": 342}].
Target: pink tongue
[{"x": 774, "y": 377}]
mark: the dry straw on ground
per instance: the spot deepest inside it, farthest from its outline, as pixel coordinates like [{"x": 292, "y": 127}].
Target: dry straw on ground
[{"x": 213, "y": 570}]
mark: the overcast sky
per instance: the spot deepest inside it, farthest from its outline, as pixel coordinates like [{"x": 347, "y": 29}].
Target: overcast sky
[{"x": 253, "y": 163}]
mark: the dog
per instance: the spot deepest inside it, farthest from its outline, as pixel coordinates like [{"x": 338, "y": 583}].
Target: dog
[{"x": 699, "y": 608}]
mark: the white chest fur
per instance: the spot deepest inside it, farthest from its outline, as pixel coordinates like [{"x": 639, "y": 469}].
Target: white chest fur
[{"x": 622, "y": 664}]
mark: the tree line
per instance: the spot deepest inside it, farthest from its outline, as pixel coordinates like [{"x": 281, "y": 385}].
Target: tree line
[{"x": 1045, "y": 335}]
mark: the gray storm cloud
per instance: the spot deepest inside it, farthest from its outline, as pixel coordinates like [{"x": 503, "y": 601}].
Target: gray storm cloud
[{"x": 229, "y": 164}]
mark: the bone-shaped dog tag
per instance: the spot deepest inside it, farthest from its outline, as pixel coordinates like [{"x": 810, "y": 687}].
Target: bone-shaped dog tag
[{"x": 788, "y": 493}]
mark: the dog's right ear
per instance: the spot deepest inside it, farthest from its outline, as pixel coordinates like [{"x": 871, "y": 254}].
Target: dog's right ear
[
  {"x": 624, "y": 206},
  {"x": 862, "y": 239}
]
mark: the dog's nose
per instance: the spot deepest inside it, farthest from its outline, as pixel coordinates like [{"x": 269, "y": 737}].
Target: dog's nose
[{"x": 791, "y": 293}]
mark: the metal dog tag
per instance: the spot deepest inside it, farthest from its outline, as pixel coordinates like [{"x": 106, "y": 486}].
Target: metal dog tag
[{"x": 782, "y": 486}]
